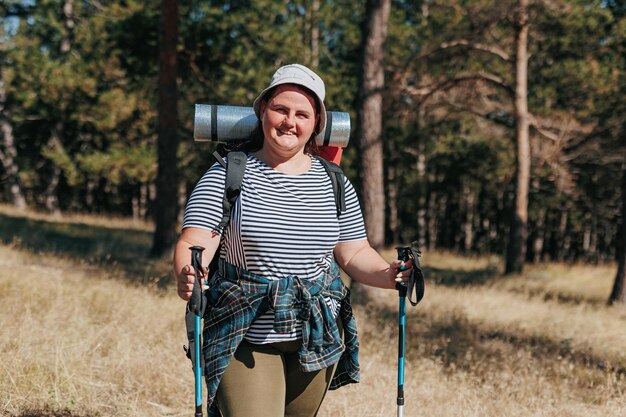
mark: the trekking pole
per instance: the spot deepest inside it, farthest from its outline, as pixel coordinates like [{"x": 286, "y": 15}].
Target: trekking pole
[
  {"x": 414, "y": 285},
  {"x": 401, "y": 336},
  {"x": 195, "y": 305}
]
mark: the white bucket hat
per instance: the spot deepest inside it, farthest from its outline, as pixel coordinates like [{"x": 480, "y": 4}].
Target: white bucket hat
[{"x": 299, "y": 75}]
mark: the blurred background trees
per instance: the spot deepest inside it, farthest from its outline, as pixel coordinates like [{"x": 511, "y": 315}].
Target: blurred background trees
[{"x": 465, "y": 166}]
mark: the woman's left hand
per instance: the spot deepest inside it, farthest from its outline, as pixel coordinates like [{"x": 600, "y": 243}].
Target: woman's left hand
[
  {"x": 402, "y": 270},
  {"x": 359, "y": 260}
]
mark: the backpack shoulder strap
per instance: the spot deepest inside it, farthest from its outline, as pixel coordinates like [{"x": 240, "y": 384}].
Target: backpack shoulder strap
[
  {"x": 337, "y": 180},
  {"x": 218, "y": 156},
  {"x": 235, "y": 165}
]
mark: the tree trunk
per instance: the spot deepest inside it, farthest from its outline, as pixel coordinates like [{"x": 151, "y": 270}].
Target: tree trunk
[
  {"x": 134, "y": 202},
  {"x": 539, "y": 238},
  {"x": 618, "y": 294},
  {"x": 89, "y": 193},
  {"x": 68, "y": 14},
  {"x": 166, "y": 207},
  {"x": 433, "y": 212},
  {"x": 8, "y": 151},
  {"x": 143, "y": 200},
  {"x": 587, "y": 235},
  {"x": 311, "y": 35},
  {"x": 593, "y": 245},
  {"x": 51, "y": 198},
  {"x": 369, "y": 124},
  {"x": 422, "y": 182},
  {"x": 516, "y": 250},
  {"x": 306, "y": 35},
  {"x": 468, "y": 224},
  {"x": 563, "y": 237},
  {"x": 315, "y": 34},
  {"x": 392, "y": 183},
  {"x": 392, "y": 203},
  {"x": 439, "y": 237}
]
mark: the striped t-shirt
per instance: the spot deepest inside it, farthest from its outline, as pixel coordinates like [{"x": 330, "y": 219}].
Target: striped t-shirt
[{"x": 281, "y": 225}]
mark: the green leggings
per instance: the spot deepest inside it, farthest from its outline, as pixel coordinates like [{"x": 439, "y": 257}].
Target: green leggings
[{"x": 266, "y": 381}]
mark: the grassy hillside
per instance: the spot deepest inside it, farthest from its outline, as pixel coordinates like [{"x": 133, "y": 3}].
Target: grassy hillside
[{"x": 91, "y": 327}]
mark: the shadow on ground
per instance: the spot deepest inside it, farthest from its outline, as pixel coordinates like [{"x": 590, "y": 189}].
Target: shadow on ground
[
  {"x": 460, "y": 278},
  {"x": 458, "y": 344},
  {"x": 124, "y": 249},
  {"x": 50, "y": 412}
]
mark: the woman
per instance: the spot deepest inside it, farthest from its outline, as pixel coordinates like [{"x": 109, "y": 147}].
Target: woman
[{"x": 277, "y": 307}]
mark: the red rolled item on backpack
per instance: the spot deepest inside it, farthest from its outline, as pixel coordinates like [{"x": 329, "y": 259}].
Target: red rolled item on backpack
[{"x": 331, "y": 153}]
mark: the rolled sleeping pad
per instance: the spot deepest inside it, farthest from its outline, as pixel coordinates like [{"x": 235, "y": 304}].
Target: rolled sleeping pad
[{"x": 234, "y": 123}]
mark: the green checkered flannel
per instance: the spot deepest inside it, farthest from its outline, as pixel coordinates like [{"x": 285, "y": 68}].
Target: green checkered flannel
[{"x": 237, "y": 297}]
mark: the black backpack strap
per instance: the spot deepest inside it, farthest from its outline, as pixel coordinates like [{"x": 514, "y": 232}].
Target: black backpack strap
[
  {"x": 217, "y": 157},
  {"x": 337, "y": 180},
  {"x": 235, "y": 169}
]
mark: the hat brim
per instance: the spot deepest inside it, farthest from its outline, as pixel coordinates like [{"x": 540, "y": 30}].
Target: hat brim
[{"x": 296, "y": 81}]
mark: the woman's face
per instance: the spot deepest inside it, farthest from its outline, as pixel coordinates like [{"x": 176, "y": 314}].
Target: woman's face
[{"x": 288, "y": 119}]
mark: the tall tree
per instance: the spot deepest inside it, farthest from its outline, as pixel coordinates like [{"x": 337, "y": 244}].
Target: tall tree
[
  {"x": 516, "y": 250},
  {"x": 618, "y": 294},
  {"x": 616, "y": 43},
  {"x": 8, "y": 150},
  {"x": 55, "y": 146},
  {"x": 166, "y": 207},
  {"x": 369, "y": 118}
]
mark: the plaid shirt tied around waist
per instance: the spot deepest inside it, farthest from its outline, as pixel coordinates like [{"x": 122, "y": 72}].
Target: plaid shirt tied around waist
[{"x": 237, "y": 297}]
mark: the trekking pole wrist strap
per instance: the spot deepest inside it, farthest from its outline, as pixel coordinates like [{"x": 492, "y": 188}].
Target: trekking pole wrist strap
[{"x": 414, "y": 288}]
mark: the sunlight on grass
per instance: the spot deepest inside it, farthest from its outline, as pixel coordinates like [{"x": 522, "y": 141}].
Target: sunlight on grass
[
  {"x": 82, "y": 339},
  {"x": 570, "y": 283},
  {"x": 120, "y": 245},
  {"x": 73, "y": 338},
  {"x": 78, "y": 218}
]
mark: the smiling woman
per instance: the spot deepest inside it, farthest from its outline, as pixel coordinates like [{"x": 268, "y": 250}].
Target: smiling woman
[
  {"x": 278, "y": 327},
  {"x": 289, "y": 121}
]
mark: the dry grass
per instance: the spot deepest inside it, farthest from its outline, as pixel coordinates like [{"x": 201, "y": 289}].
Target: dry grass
[
  {"x": 457, "y": 366},
  {"x": 83, "y": 338},
  {"x": 490, "y": 349},
  {"x": 120, "y": 246},
  {"x": 590, "y": 284},
  {"x": 74, "y": 339}
]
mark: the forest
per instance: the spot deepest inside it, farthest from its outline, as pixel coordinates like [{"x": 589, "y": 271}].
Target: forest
[{"x": 479, "y": 127}]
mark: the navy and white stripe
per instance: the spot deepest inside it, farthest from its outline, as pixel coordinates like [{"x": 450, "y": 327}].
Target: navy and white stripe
[{"x": 282, "y": 225}]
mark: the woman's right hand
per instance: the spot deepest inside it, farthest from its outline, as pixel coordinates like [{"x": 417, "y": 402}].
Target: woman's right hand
[
  {"x": 182, "y": 271},
  {"x": 186, "y": 278}
]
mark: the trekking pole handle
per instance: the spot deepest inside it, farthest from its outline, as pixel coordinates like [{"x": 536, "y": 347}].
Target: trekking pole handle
[
  {"x": 196, "y": 293},
  {"x": 414, "y": 288},
  {"x": 196, "y": 256},
  {"x": 404, "y": 254}
]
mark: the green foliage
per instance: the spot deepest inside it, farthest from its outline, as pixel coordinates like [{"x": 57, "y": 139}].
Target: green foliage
[
  {"x": 90, "y": 110},
  {"x": 121, "y": 165},
  {"x": 68, "y": 106}
]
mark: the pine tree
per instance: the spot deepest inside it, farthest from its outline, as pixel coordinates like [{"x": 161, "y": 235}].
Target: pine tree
[
  {"x": 369, "y": 119},
  {"x": 166, "y": 207}
]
